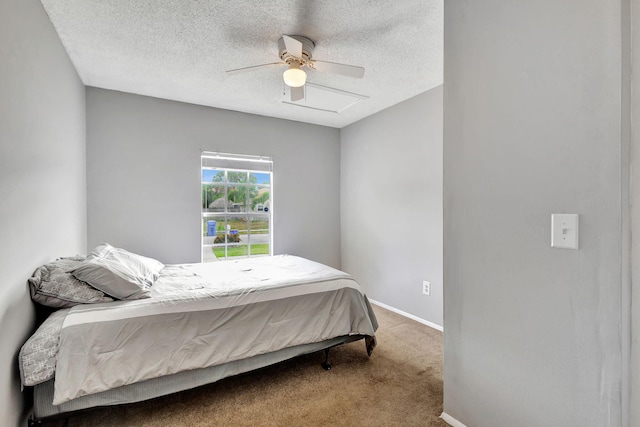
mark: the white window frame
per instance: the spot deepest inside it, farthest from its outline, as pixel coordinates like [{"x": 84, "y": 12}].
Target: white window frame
[{"x": 236, "y": 163}]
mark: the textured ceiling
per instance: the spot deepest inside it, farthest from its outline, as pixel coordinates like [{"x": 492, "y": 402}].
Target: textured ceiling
[{"x": 180, "y": 49}]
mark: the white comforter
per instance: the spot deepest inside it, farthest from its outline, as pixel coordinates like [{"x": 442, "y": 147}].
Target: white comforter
[{"x": 203, "y": 315}]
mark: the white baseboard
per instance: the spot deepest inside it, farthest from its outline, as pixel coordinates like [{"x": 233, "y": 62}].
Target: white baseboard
[
  {"x": 451, "y": 421},
  {"x": 410, "y": 316}
]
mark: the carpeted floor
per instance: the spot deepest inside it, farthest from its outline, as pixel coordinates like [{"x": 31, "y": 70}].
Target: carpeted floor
[{"x": 400, "y": 385}]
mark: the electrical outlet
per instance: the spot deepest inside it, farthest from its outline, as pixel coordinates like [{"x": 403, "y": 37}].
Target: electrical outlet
[{"x": 426, "y": 287}]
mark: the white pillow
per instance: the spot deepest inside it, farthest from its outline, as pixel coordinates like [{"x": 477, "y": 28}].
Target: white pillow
[{"x": 116, "y": 272}]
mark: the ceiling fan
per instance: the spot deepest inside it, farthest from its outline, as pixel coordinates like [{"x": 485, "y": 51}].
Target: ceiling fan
[{"x": 295, "y": 53}]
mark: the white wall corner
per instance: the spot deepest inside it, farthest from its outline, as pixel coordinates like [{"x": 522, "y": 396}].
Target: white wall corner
[{"x": 451, "y": 421}]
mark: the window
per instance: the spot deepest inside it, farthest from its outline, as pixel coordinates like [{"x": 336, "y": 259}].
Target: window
[{"x": 236, "y": 206}]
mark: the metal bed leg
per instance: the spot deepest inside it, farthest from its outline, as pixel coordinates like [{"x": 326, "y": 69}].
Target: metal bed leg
[
  {"x": 326, "y": 365},
  {"x": 36, "y": 422},
  {"x": 32, "y": 422}
]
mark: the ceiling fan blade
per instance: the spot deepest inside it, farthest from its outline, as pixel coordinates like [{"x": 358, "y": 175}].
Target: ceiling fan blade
[
  {"x": 294, "y": 47},
  {"x": 254, "y": 67},
  {"x": 297, "y": 93},
  {"x": 335, "y": 68}
]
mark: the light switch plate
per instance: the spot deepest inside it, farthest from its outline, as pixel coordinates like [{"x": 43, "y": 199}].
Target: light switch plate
[{"x": 564, "y": 231}]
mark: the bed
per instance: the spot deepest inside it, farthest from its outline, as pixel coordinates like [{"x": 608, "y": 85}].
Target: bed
[{"x": 178, "y": 326}]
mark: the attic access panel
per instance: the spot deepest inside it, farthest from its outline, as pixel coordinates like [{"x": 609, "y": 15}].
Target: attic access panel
[{"x": 324, "y": 98}]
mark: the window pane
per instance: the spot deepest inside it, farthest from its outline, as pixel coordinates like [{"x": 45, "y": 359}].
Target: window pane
[
  {"x": 208, "y": 231},
  {"x": 208, "y": 254},
  {"x": 261, "y": 200},
  {"x": 212, "y": 175},
  {"x": 219, "y": 252},
  {"x": 239, "y": 177},
  {"x": 237, "y": 225},
  {"x": 260, "y": 249},
  {"x": 259, "y": 178},
  {"x": 213, "y": 198},
  {"x": 237, "y": 196},
  {"x": 213, "y": 227},
  {"x": 260, "y": 228},
  {"x": 260, "y": 238}
]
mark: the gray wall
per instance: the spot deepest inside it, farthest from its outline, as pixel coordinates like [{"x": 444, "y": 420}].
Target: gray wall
[
  {"x": 532, "y": 127},
  {"x": 634, "y": 371},
  {"x": 391, "y": 204},
  {"x": 143, "y": 175},
  {"x": 42, "y": 173}
]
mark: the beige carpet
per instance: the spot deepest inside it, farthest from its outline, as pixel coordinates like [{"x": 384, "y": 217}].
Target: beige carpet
[{"x": 400, "y": 385}]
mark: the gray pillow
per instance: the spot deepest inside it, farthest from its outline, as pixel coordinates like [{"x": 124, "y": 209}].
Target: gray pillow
[
  {"x": 53, "y": 285},
  {"x": 119, "y": 273}
]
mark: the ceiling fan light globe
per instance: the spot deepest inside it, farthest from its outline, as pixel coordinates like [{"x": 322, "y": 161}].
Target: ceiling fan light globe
[{"x": 294, "y": 77}]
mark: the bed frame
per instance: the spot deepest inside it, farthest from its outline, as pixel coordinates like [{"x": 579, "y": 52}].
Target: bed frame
[{"x": 43, "y": 410}]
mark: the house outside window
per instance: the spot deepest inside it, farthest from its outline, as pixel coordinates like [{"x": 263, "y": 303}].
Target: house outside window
[{"x": 236, "y": 206}]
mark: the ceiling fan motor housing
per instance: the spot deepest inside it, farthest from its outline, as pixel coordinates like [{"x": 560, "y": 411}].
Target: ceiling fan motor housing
[{"x": 307, "y": 49}]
